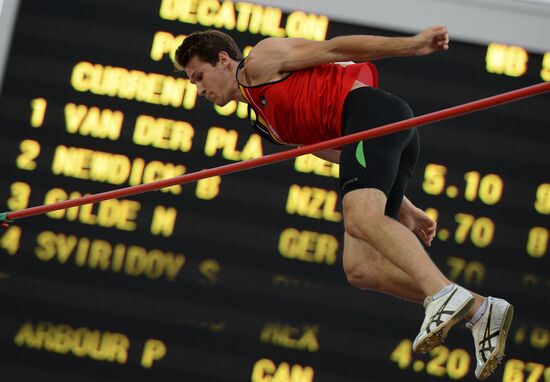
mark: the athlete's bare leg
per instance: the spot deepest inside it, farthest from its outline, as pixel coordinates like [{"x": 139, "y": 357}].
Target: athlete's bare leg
[
  {"x": 366, "y": 268},
  {"x": 398, "y": 252}
]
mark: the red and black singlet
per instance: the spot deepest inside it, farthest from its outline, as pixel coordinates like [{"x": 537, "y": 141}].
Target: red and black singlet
[{"x": 305, "y": 107}]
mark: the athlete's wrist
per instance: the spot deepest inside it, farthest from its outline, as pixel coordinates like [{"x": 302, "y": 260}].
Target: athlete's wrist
[{"x": 418, "y": 45}]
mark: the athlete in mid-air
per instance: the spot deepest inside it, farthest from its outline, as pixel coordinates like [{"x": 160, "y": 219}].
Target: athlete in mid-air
[{"x": 305, "y": 92}]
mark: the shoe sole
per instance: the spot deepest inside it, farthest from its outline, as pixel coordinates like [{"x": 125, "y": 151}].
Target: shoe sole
[
  {"x": 494, "y": 358},
  {"x": 436, "y": 338}
]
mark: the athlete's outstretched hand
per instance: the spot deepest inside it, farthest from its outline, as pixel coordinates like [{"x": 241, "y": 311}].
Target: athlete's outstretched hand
[
  {"x": 433, "y": 39},
  {"x": 421, "y": 224}
]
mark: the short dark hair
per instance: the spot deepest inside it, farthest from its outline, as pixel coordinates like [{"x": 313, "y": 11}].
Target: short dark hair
[{"x": 206, "y": 45}]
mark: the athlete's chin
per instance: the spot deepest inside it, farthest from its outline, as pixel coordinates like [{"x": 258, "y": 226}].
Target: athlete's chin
[{"x": 220, "y": 103}]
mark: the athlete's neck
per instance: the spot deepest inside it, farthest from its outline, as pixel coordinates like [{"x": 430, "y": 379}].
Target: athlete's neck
[{"x": 236, "y": 95}]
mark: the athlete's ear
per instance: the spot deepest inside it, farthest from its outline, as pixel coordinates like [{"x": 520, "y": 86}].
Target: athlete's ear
[{"x": 224, "y": 59}]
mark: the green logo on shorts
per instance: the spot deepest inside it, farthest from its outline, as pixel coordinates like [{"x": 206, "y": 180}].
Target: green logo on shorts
[{"x": 360, "y": 155}]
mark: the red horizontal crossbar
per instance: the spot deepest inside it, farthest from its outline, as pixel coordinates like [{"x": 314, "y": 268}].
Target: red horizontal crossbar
[{"x": 288, "y": 154}]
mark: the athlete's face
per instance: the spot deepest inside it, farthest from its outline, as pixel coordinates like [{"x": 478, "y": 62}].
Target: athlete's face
[{"x": 215, "y": 82}]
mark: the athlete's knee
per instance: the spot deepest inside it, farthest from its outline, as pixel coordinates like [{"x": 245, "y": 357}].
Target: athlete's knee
[
  {"x": 363, "y": 226},
  {"x": 362, "y": 270},
  {"x": 363, "y": 275},
  {"x": 363, "y": 212}
]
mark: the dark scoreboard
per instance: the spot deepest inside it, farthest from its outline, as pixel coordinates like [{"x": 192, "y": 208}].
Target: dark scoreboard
[{"x": 239, "y": 278}]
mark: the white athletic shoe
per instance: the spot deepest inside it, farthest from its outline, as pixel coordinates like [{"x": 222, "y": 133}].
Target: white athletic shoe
[
  {"x": 441, "y": 314},
  {"x": 490, "y": 335}
]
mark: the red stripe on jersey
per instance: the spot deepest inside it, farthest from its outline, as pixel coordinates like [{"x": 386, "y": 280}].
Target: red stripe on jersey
[{"x": 260, "y": 115}]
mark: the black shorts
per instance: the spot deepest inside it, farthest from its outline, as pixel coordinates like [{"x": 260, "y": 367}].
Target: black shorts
[{"x": 385, "y": 163}]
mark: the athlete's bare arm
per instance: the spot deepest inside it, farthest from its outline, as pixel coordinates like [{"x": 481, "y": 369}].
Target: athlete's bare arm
[
  {"x": 273, "y": 56},
  {"x": 330, "y": 155},
  {"x": 417, "y": 221}
]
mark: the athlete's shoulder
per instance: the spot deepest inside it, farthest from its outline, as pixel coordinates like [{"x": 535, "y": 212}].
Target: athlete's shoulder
[
  {"x": 276, "y": 45},
  {"x": 263, "y": 63}
]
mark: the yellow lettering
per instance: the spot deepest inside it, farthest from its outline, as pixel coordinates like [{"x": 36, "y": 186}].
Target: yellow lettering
[
  {"x": 101, "y": 255},
  {"x": 271, "y": 22},
  {"x": 225, "y": 17},
  {"x": 81, "y": 77},
  {"x": 208, "y": 188},
  {"x": 25, "y": 335},
  {"x": 119, "y": 348},
  {"x": 164, "y": 220},
  {"x": 542, "y": 199},
  {"x": 20, "y": 194},
  {"x": 253, "y": 148},
  {"x": 173, "y": 265},
  {"x": 313, "y": 202},
  {"x": 118, "y": 213},
  {"x": 307, "y": 26},
  {"x": 261, "y": 368},
  {"x": 81, "y": 342},
  {"x": 28, "y": 336},
  {"x": 308, "y": 246},
  {"x": 82, "y": 252},
  {"x": 289, "y": 337},
  {"x": 133, "y": 85},
  {"x": 85, "y": 215},
  {"x": 240, "y": 108},
  {"x": 163, "y": 133},
  {"x": 112, "y": 168},
  {"x": 168, "y": 9},
  {"x": 516, "y": 64},
  {"x": 110, "y": 213},
  {"x": 227, "y": 109},
  {"x": 93, "y": 121},
  {"x": 163, "y": 43},
  {"x": 545, "y": 71},
  {"x": 206, "y": 12},
  {"x": 62, "y": 339},
  {"x": 38, "y": 106},
  {"x": 74, "y": 115},
  {"x": 10, "y": 240},
  {"x": 309, "y": 339},
  {"x": 69, "y": 161},
  {"x": 210, "y": 269},
  {"x": 29, "y": 152},
  {"x": 312, "y": 164},
  {"x": 188, "y": 11},
  {"x": 265, "y": 370},
  {"x": 513, "y": 371},
  {"x": 508, "y": 60},
  {"x": 230, "y": 144},
  {"x": 84, "y": 341},
  {"x": 244, "y": 17},
  {"x": 153, "y": 350},
  {"x": 245, "y": 10},
  {"x": 135, "y": 261},
  {"x": 47, "y": 248},
  {"x": 215, "y": 140},
  {"x": 537, "y": 242},
  {"x": 226, "y": 140},
  {"x": 64, "y": 247},
  {"x": 256, "y": 19},
  {"x": 159, "y": 171}
]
